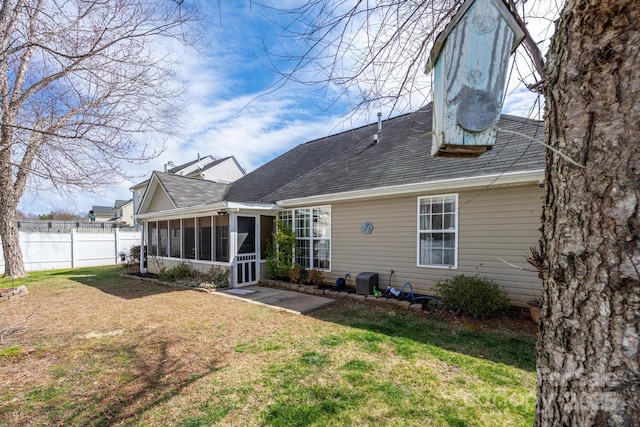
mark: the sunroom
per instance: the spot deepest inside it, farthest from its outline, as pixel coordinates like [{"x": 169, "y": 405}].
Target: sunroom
[
  {"x": 228, "y": 238},
  {"x": 188, "y": 220}
]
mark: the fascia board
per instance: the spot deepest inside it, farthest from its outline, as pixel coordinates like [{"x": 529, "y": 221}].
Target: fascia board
[
  {"x": 140, "y": 184},
  {"x": 485, "y": 181},
  {"x": 205, "y": 209},
  {"x": 253, "y": 206},
  {"x": 182, "y": 212},
  {"x": 154, "y": 183}
]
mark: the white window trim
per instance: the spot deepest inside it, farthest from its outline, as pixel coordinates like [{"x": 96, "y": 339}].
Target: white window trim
[
  {"x": 457, "y": 233},
  {"x": 311, "y": 238}
]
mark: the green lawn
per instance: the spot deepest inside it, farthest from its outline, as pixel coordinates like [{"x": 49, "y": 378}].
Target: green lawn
[{"x": 108, "y": 350}]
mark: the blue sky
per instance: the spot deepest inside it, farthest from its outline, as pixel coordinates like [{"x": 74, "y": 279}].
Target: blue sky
[{"x": 230, "y": 109}]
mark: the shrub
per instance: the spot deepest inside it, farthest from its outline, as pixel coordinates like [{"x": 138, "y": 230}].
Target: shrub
[
  {"x": 297, "y": 274},
  {"x": 182, "y": 271},
  {"x": 131, "y": 259},
  {"x": 216, "y": 278},
  {"x": 134, "y": 253},
  {"x": 473, "y": 296},
  {"x": 315, "y": 277},
  {"x": 280, "y": 251}
]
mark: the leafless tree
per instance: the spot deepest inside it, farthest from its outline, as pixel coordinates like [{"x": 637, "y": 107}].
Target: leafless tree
[
  {"x": 588, "y": 353},
  {"x": 79, "y": 82}
]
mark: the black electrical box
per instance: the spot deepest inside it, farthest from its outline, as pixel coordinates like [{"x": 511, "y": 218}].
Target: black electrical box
[{"x": 365, "y": 283}]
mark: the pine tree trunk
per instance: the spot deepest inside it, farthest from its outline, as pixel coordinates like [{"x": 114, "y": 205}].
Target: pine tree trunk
[{"x": 589, "y": 346}]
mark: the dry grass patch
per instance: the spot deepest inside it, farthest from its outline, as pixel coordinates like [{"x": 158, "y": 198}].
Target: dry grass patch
[{"x": 112, "y": 350}]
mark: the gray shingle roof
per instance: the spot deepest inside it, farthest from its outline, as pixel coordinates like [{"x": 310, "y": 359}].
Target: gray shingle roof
[
  {"x": 178, "y": 168},
  {"x": 255, "y": 186},
  {"x": 120, "y": 203},
  {"x": 102, "y": 210},
  {"x": 186, "y": 192},
  {"x": 349, "y": 161}
]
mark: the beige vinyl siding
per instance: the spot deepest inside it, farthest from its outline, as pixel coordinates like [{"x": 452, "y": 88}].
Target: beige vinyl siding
[
  {"x": 496, "y": 223},
  {"x": 227, "y": 171},
  {"x": 160, "y": 201}
]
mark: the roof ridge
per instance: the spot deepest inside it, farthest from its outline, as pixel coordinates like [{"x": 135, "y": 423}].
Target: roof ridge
[
  {"x": 190, "y": 163},
  {"x": 365, "y": 126}
]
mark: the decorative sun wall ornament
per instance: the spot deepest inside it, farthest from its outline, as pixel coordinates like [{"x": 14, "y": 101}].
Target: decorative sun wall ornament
[{"x": 367, "y": 227}]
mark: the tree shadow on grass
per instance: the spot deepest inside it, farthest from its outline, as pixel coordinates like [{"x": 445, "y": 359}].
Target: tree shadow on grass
[
  {"x": 119, "y": 285},
  {"x": 143, "y": 376},
  {"x": 404, "y": 327}
]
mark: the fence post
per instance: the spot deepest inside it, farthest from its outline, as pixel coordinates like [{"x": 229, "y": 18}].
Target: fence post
[
  {"x": 73, "y": 248},
  {"x": 116, "y": 234},
  {"x": 143, "y": 249}
]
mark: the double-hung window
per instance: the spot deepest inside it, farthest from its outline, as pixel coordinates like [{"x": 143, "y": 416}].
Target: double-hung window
[{"x": 438, "y": 231}]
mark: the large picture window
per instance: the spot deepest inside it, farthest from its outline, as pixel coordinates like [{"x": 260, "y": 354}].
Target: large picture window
[
  {"x": 438, "y": 231},
  {"x": 312, "y": 227}
]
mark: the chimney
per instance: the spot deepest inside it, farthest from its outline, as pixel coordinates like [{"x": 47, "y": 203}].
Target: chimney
[{"x": 168, "y": 165}]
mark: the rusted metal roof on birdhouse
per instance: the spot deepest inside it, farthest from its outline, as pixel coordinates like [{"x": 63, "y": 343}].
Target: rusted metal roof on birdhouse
[{"x": 469, "y": 60}]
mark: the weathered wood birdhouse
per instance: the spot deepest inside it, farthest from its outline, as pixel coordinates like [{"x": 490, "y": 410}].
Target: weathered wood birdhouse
[{"x": 470, "y": 59}]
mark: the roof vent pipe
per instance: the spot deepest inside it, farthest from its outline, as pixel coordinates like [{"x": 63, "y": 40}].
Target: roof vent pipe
[{"x": 375, "y": 135}]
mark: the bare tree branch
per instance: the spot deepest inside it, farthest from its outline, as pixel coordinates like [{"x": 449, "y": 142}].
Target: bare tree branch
[
  {"x": 18, "y": 326},
  {"x": 532, "y": 48},
  {"x": 79, "y": 81},
  {"x": 371, "y": 53}
]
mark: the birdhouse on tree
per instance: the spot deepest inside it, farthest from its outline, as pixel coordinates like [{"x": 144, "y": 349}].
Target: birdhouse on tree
[{"x": 470, "y": 59}]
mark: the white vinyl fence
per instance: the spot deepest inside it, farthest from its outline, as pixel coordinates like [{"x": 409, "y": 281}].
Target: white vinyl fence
[{"x": 48, "y": 251}]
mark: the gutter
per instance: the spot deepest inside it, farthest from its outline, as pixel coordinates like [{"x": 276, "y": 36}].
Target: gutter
[
  {"x": 200, "y": 210},
  {"x": 469, "y": 183}
]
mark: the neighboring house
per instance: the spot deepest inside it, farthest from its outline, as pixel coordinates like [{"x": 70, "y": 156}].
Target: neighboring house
[
  {"x": 357, "y": 205},
  {"x": 101, "y": 213},
  {"x": 225, "y": 171},
  {"x": 123, "y": 212}
]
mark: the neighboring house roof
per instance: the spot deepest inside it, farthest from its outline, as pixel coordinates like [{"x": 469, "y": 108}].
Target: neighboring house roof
[
  {"x": 121, "y": 203},
  {"x": 349, "y": 161},
  {"x": 208, "y": 163},
  {"x": 102, "y": 210},
  {"x": 184, "y": 169}
]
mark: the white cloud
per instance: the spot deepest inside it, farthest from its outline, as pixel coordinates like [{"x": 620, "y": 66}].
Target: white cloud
[{"x": 227, "y": 112}]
